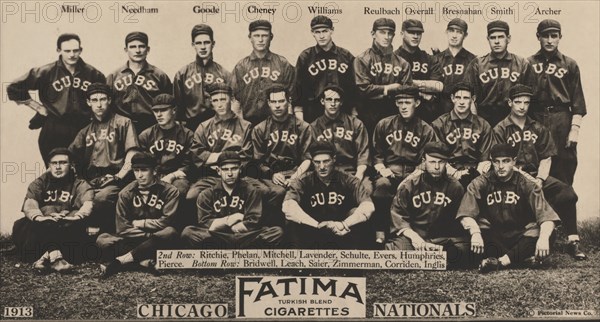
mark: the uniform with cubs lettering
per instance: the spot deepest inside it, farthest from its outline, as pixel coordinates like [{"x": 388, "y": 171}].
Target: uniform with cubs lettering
[
  {"x": 453, "y": 70},
  {"x": 63, "y": 95},
  {"x": 189, "y": 89},
  {"x": 349, "y": 136}
]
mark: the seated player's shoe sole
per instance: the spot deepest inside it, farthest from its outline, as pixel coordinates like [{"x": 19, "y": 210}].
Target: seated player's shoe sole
[
  {"x": 111, "y": 269},
  {"x": 62, "y": 266},
  {"x": 489, "y": 264},
  {"x": 574, "y": 249}
]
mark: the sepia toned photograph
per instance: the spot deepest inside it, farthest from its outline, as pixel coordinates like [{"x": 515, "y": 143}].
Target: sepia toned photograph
[{"x": 299, "y": 160}]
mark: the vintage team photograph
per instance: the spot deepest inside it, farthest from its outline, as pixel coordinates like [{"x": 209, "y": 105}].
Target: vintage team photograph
[{"x": 299, "y": 160}]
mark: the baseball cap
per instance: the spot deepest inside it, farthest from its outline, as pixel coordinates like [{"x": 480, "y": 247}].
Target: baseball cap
[
  {"x": 461, "y": 86},
  {"x": 385, "y": 24},
  {"x": 202, "y": 29},
  {"x": 498, "y": 25},
  {"x": 520, "y": 90},
  {"x": 136, "y": 35},
  {"x": 143, "y": 160},
  {"x": 322, "y": 147},
  {"x": 259, "y": 25},
  {"x": 162, "y": 101},
  {"x": 413, "y": 25},
  {"x": 321, "y": 22},
  {"x": 458, "y": 23},
  {"x": 98, "y": 88},
  {"x": 548, "y": 25},
  {"x": 437, "y": 150},
  {"x": 216, "y": 88},
  {"x": 229, "y": 157},
  {"x": 59, "y": 151},
  {"x": 407, "y": 91},
  {"x": 503, "y": 150},
  {"x": 334, "y": 88}
]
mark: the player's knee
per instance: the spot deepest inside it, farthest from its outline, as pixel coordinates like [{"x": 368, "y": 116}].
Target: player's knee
[
  {"x": 272, "y": 234},
  {"x": 105, "y": 240}
]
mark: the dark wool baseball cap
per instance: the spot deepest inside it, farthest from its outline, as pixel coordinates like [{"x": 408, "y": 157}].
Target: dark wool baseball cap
[
  {"x": 59, "y": 151},
  {"x": 98, "y": 88},
  {"x": 216, "y": 88},
  {"x": 384, "y": 23},
  {"x": 437, "y": 150},
  {"x": 229, "y": 157},
  {"x": 202, "y": 29},
  {"x": 503, "y": 150},
  {"x": 259, "y": 25},
  {"x": 520, "y": 90},
  {"x": 143, "y": 160},
  {"x": 458, "y": 23},
  {"x": 136, "y": 35},
  {"x": 461, "y": 86},
  {"x": 413, "y": 25},
  {"x": 407, "y": 91},
  {"x": 548, "y": 25},
  {"x": 162, "y": 101},
  {"x": 498, "y": 25},
  {"x": 334, "y": 88},
  {"x": 321, "y": 22},
  {"x": 322, "y": 147}
]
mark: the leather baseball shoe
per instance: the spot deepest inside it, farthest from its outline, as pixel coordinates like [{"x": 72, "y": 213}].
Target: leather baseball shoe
[
  {"x": 111, "y": 269},
  {"x": 62, "y": 266},
  {"x": 573, "y": 248},
  {"x": 489, "y": 264}
]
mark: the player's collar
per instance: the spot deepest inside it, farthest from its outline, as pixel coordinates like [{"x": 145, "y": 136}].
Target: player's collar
[
  {"x": 219, "y": 120},
  {"x": 508, "y": 121},
  {"x": 333, "y": 49},
  {"x": 454, "y": 116},
  {"x": 405, "y": 52},
  {"x": 557, "y": 55},
  {"x": 200, "y": 62},
  {"x": 268, "y": 55},
  {"x": 382, "y": 51},
  {"x": 505, "y": 56},
  {"x": 285, "y": 118},
  {"x": 78, "y": 66},
  {"x": 145, "y": 67},
  {"x": 461, "y": 53},
  {"x": 337, "y": 120}
]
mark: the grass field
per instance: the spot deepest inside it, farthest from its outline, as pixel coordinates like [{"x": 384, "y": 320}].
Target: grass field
[{"x": 561, "y": 284}]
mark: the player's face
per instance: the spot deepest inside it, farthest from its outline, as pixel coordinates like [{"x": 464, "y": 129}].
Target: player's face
[
  {"x": 261, "y": 40},
  {"x": 455, "y": 36},
  {"x": 323, "y": 36},
  {"x": 137, "y": 51},
  {"x": 164, "y": 115},
  {"x": 324, "y": 164},
  {"x": 462, "y": 102},
  {"x": 144, "y": 176},
  {"x": 519, "y": 105},
  {"x": 59, "y": 166},
  {"x": 99, "y": 102},
  {"x": 406, "y": 107},
  {"x": 229, "y": 172},
  {"x": 434, "y": 166},
  {"x": 221, "y": 103},
  {"x": 549, "y": 41},
  {"x": 278, "y": 104},
  {"x": 499, "y": 41},
  {"x": 383, "y": 37},
  {"x": 69, "y": 52},
  {"x": 411, "y": 38},
  {"x": 203, "y": 45},
  {"x": 503, "y": 167},
  {"x": 332, "y": 102}
]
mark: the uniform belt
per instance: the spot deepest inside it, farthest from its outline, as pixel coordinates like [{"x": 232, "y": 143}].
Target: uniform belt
[{"x": 554, "y": 108}]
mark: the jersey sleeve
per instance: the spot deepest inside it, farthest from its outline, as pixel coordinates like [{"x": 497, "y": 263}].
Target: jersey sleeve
[
  {"x": 253, "y": 209},
  {"x": 131, "y": 139},
  {"x": 187, "y": 164},
  {"x": 19, "y": 89},
  {"x": 306, "y": 138},
  {"x": 436, "y": 69},
  {"x": 144, "y": 139},
  {"x": 364, "y": 82},
  {"x": 169, "y": 209},
  {"x": 166, "y": 87},
  {"x": 399, "y": 211},
  {"x": 83, "y": 192},
  {"x": 487, "y": 141},
  {"x": 259, "y": 148},
  {"x": 544, "y": 145},
  {"x": 379, "y": 144},
  {"x": 206, "y": 214},
  {"x": 472, "y": 77},
  {"x": 469, "y": 205},
  {"x": 428, "y": 136},
  {"x": 361, "y": 193},
  {"x": 362, "y": 144},
  {"x": 576, "y": 92},
  {"x": 178, "y": 91},
  {"x": 537, "y": 202},
  {"x": 200, "y": 149},
  {"x": 296, "y": 190},
  {"x": 123, "y": 222}
]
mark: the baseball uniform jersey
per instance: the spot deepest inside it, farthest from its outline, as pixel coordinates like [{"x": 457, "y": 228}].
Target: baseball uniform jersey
[
  {"x": 252, "y": 76},
  {"x": 453, "y": 72},
  {"x": 349, "y": 136},
  {"x": 170, "y": 147}
]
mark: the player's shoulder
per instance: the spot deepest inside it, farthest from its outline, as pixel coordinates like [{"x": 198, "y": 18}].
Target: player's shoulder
[
  {"x": 157, "y": 71},
  {"x": 307, "y": 53},
  {"x": 483, "y": 123},
  {"x": 149, "y": 132},
  {"x": 441, "y": 120},
  {"x": 366, "y": 55},
  {"x": 343, "y": 51},
  {"x": 187, "y": 68},
  {"x": 280, "y": 59},
  {"x": 120, "y": 119},
  {"x": 244, "y": 123},
  {"x": 127, "y": 191},
  {"x": 387, "y": 120}
]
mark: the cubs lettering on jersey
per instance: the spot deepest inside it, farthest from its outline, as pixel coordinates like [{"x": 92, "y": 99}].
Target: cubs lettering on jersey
[
  {"x": 462, "y": 133},
  {"x": 264, "y": 72},
  {"x": 406, "y": 136},
  {"x": 122, "y": 83},
  {"x": 551, "y": 69},
  {"x": 166, "y": 145},
  {"x": 223, "y": 135},
  {"x": 505, "y": 197},
  {"x": 331, "y": 198},
  {"x": 418, "y": 67},
  {"x": 58, "y": 195},
  {"x": 379, "y": 68},
  {"x": 454, "y": 69},
  {"x": 425, "y": 197},
  {"x": 235, "y": 203},
  {"x": 503, "y": 73},
  {"x": 150, "y": 200},
  {"x": 327, "y": 64},
  {"x": 65, "y": 82},
  {"x": 283, "y": 136},
  {"x": 525, "y": 136},
  {"x": 197, "y": 79},
  {"x": 104, "y": 135},
  {"x": 338, "y": 132}
]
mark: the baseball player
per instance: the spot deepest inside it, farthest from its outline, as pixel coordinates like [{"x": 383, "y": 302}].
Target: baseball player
[
  {"x": 145, "y": 212},
  {"x": 426, "y": 73},
  {"x": 229, "y": 213},
  {"x": 469, "y": 136},
  {"x": 319, "y": 66},
  {"x": 280, "y": 146},
  {"x": 103, "y": 151},
  {"x": 398, "y": 144},
  {"x": 258, "y": 71},
  {"x": 559, "y": 103},
  {"x": 454, "y": 60},
  {"x": 379, "y": 71},
  {"x": 346, "y": 131},
  {"x": 327, "y": 208},
  {"x": 137, "y": 82},
  {"x": 55, "y": 206},
  {"x": 495, "y": 73},
  {"x": 170, "y": 143},
  {"x": 61, "y": 87},
  {"x": 506, "y": 215},
  {"x": 424, "y": 210},
  {"x": 535, "y": 151},
  {"x": 190, "y": 82}
]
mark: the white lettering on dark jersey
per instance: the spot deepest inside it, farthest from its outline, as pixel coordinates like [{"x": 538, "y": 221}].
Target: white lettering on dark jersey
[
  {"x": 264, "y": 72},
  {"x": 419, "y": 67},
  {"x": 283, "y": 136},
  {"x": 235, "y": 203},
  {"x": 321, "y": 199},
  {"x": 379, "y": 68},
  {"x": 58, "y": 195},
  {"x": 197, "y": 78},
  {"x": 424, "y": 198},
  {"x": 551, "y": 69},
  {"x": 339, "y": 132},
  {"x": 457, "y": 69},
  {"x": 495, "y": 73},
  {"x": 526, "y": 136},
  {"x": 464, "y": 133},
  {"x": 140, "y": 80},
  {"x": 104, "y": 135},
  {"x": 406, "y": 136},
  {"x": 152, "y": 201},
  {"x": 327, "y": 64},
  {"x": 166, "y": 145},
  {"x": 227, "y": 135},
  {"x": 506, "y": 197},
  {"x": 65, "y": 82}
]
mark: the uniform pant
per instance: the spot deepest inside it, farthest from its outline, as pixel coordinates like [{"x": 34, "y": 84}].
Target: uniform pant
[
  {"x": 272, "y": 202},
  {"x": 563, "y": 200},
  {"x": 33, "y": 239},
  {"x": 141, "y": 248},
  {"x": 458, "y": 249},
  {"x": 383, "y": 194},
  {"x": 104, "y": 212},
  {"x": 564, "y": 163},
  {"x": 200, "y": 237},
  {"x": 58, "y": 132},
  {"x": 306, "y": 237},
  {"x": 517, "y": 248}
]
